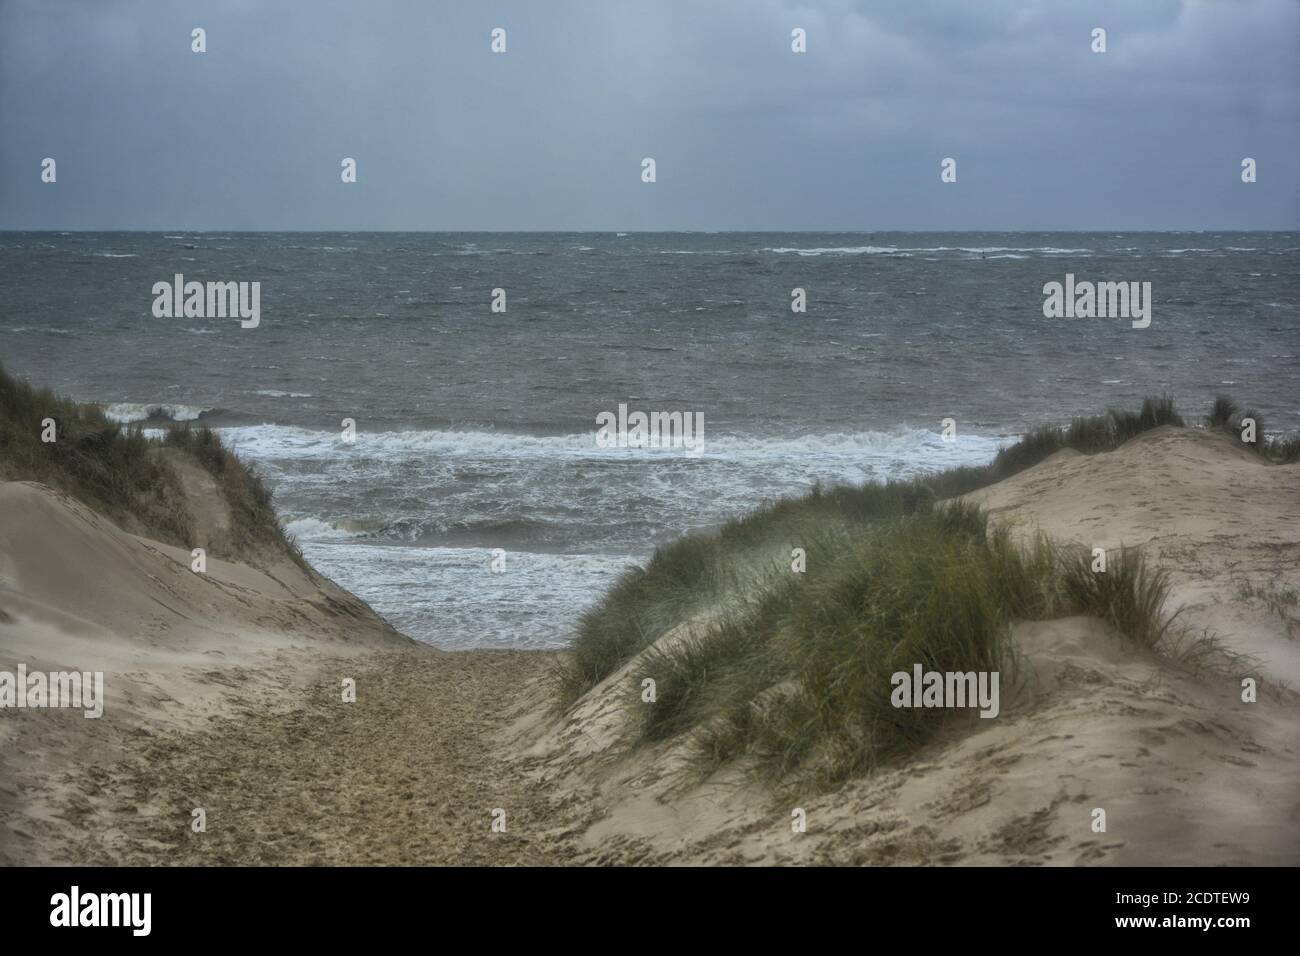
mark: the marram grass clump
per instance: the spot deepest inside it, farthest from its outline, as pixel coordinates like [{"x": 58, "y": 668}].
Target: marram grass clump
[
  {"x": 1247, "y": 427},
  {"x": 121, "y": 473},
  {"x": 254, "y": 526},
  {"x": 112, "y": 469},
  {"x": 798, "y": 678}
]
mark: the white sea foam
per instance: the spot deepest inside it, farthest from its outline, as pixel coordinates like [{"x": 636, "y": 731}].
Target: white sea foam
[
  {"x": 313, "y": 529},
  {"x": 838, "y": 250},
  {"x": 910, "y": 250},
  {"x": 903, "y": 445},
  {"x": 126, "y": 412},
  {"x": 381, "y": 515}
]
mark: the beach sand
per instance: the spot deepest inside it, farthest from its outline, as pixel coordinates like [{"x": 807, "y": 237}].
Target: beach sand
[{"x": 224, "y": 693}]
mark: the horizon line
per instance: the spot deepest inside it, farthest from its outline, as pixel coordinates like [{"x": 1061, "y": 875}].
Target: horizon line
[{"x": 647, "y": 232}]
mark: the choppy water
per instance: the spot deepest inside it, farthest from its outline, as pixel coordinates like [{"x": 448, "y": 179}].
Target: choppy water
[{"x": 476, "y": 429}]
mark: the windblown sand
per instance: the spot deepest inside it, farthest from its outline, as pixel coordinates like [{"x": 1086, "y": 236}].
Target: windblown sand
[{"x": 223, "y": 693}]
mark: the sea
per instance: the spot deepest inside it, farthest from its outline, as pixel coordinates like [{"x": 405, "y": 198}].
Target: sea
[{"x": 475, "y": 507}]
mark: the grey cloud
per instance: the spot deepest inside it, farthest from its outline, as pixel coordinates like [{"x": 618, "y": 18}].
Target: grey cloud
[{"x": 746, "y": 134}]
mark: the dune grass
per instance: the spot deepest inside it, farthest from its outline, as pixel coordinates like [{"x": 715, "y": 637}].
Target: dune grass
[
  {"x": 797, "y": 678},
  {"x": 254, "y": 526},
  {"x": 1226, "y": 416},
  {"x": 123, "y": 474},
  {"x": 801, "y": 674},
  {"x": 110, "y": 468},
  {"x": 681, "y": 577}
]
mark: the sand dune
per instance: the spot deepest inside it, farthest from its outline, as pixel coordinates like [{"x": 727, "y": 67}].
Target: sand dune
[
  {"x": 1186, "y": 772},
  {"x": 223, "y": 693},
  {"x": 1220, "y": 519},
  {"x": 176, "y": 648}
]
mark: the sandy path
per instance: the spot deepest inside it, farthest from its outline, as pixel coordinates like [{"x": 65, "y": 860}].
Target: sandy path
[
  {"x": 406, "y": 775},
  {"x": 410, "y": 775}
]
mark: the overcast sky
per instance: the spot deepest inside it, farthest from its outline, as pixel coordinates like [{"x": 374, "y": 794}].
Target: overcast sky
[{"x": 745, "y": 133}]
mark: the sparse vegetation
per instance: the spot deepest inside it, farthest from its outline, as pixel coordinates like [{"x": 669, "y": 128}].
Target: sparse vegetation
[
  {"x": 123, "y": 474},
  {"x": 254, "y": 525},
  {"x": 1226, "y": 416},
  {"x": 1222, "y": 412},
  {"x": 1129, "y": 596},
  {"x": 1280, "y": 600}
]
